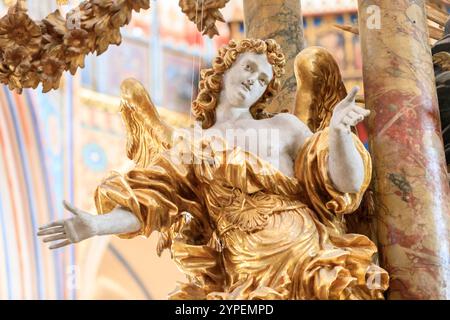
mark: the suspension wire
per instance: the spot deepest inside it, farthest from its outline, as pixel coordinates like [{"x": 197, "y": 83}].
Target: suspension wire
[
  {"x": 192, "y": 68},
  {"x": 201, "y": 36}
]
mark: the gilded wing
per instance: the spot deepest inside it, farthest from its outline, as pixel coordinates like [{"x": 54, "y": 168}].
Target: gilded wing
[
  {"x": 319, "y": 87},
  {"x": 147, "y": 134}
]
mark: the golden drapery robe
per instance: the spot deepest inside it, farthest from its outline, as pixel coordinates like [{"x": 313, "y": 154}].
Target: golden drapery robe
[{"x": 251, "y": 231}]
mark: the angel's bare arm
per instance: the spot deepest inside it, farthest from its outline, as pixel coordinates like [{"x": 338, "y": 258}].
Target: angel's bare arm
[
  {"x": 84, "y": 225},
  {"x": 345, "y": 165}
]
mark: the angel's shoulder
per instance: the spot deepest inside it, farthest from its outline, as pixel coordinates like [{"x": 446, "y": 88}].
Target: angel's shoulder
[
  {"x": 290, "y": 122},
  {"x": 286, "y": 116}
]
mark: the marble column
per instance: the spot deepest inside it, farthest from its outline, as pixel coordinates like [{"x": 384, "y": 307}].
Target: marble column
[
  {"x": 280, "y": 20},
  {"x": 412, "y": 195}
]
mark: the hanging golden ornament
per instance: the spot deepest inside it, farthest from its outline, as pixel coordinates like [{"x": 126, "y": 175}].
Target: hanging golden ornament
[{"x": 204, "y": 14}]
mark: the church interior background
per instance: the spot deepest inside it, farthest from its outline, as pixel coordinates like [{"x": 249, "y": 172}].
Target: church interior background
[{"x": 59, "y": 145}]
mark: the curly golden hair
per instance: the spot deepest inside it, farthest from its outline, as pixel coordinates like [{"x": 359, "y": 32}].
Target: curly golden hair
[{"x": 210, "y": 86}]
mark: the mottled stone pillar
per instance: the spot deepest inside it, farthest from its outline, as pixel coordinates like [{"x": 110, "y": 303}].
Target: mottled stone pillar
[
  {"x": 280, "y": 20},
  {"x": 412, "y": 194}
]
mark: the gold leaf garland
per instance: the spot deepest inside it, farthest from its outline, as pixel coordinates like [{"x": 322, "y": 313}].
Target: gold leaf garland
[{"x": 34, "y": 52}]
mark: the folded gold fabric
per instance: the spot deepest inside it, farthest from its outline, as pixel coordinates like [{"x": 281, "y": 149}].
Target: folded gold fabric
[{"x": 241, "y": 229}]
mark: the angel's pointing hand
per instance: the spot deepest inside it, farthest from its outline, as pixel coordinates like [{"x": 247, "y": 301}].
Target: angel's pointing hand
[{"x": 347, "y": 114}]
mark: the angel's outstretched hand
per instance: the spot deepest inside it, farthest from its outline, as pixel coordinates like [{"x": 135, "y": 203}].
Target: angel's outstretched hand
[
  {"x": 347, "y": 114},
  {"x": 64, "y": 232}
]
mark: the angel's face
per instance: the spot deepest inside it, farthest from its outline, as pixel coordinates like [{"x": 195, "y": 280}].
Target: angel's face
[{"x": 247, "y": 80}]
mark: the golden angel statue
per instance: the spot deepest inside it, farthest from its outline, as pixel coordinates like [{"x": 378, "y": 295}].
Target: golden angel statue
[{"x": 251, "y": 204}]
